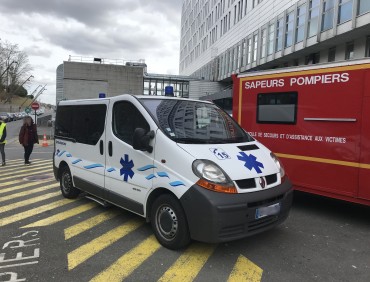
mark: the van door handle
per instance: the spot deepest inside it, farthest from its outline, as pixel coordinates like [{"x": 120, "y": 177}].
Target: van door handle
[
  {"x": 101, "y": 147},
  {"x": 110, "y": 148}
]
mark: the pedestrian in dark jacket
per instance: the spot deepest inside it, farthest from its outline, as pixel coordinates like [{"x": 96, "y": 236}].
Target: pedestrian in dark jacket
[
  {"x": 2, "y": 140},
  {"x": 27, "y": 137}
]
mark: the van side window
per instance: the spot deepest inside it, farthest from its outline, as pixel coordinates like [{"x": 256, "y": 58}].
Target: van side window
[
  {"x": 82, "y": 124},
  {"x": 277, "y": 107},
  {"x": 126, "y": 118}
]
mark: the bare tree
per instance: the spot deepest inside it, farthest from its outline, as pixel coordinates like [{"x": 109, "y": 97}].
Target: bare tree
[{"x": 14, "y": 70}]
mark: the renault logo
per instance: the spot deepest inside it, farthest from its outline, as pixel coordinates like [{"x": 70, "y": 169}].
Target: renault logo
[{"x": 262, "y": 182}]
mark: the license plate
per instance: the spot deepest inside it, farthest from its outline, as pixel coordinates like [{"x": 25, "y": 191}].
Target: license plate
[{"x": 266, "y": 211}]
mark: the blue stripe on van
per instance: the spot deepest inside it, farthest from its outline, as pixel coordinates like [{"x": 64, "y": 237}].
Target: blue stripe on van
[
  {"x": 93, "y": 166},
  {"x": 176, "y": 183},
  {"x": 145, "y": 167}
]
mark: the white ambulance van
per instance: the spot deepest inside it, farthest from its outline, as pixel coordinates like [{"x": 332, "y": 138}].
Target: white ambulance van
[{"x": 185, "y": 165}]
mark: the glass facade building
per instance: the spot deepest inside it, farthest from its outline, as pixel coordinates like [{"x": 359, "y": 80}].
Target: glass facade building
[{"x": 223, "y": 37}]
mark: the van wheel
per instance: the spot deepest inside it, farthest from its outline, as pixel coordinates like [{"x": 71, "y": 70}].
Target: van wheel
[
  {"x": 169, "y": 222},
  {"x": 66, "y": 184}
]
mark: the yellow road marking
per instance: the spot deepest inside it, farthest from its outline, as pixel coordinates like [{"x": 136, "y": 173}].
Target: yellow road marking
[
  {"x": 322, "y": 160},
  {"x": 29, "y": 192},
  {"x": 61, "y": 216},
  {"x": 27, "y": 184},
  {"x": 245, "y": 270},
  {"x": 40, "y": 171},
  {"x": 126, "y": 264},
  {"x": 188, "y": 265},
  {"x": 35, "y": 211},
  {"x": 28, "y": 202},
  {"x": 84, "y": 252},
  {"x": 20, "y": 161},
  {"x": 88, "y": 224},
  {"x": 24, "y": 169}
]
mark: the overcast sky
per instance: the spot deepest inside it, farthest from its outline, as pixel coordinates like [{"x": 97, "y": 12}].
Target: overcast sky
[{"x": 49, "y": 31}]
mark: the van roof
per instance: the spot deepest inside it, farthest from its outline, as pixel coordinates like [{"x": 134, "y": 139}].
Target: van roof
[{"x": 139, "y": 97}]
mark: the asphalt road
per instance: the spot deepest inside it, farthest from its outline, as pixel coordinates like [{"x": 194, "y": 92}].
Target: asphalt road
[{"x": 44, "y": 237}]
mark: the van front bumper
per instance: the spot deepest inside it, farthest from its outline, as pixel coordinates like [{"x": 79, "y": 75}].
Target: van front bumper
[{"x": 219, "y": 217}]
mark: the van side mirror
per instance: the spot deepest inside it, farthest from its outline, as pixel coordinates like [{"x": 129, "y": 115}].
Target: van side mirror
[{"x": 141, "y": 140}]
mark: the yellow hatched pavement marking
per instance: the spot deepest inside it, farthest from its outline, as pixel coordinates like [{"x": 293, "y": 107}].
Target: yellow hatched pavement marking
[
  {"x": 188, "y": 265},
  {"x": 27, "y": 184},
  {"x": 29, "y": 192},
  {"x": 126, "y": 264},
  {"x": 245, "y": 270},
  {"x": 28, "y": 202},
  {"x": 62, "y": 216},
  {"x": 84, "y": 252},
  {"x": 17, "y": 170},
  {"x": 35, "y": 211},
  {"x": 21, "y": 163},
  {"x": 27, "y": 174},
  {"x": 88, "y": 224}
]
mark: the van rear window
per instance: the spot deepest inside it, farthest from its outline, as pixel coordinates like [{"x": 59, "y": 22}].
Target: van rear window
[{"x": 277, "y": 107}]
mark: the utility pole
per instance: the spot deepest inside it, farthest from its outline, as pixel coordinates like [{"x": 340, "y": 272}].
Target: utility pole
[
  {"x": 38, "y": 94},
  {"x": 33, "y": 92},
  {"x": 9, "y": 98}
]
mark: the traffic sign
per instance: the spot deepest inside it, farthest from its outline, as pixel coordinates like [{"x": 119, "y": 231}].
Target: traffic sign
[
  {"x": 35, "y": 106},
  {"x": 27, "y": 110}
]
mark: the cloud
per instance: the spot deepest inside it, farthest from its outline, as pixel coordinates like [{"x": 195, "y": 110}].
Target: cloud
[
  {"x": 51, "y": 30},
  {"x": 35, "y": 50}
]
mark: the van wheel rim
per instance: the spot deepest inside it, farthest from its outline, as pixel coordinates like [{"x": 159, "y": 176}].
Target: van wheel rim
[
  {"x": 167, "y": 222},
  {"x": 66, "y": 183}
]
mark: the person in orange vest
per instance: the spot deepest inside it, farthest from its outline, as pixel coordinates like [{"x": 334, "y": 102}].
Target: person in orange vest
[
  {"x": 2, "y": 140},
  {"x": 27, "y": 137}
]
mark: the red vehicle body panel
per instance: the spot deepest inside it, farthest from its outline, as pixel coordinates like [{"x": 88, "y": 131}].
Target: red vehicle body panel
[{"x": 326, "y": 150}]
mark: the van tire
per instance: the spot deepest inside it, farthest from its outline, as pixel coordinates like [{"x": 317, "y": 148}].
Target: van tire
[
  {"x": 169, "y": 222},
  {"x": 66, "y": 184}
]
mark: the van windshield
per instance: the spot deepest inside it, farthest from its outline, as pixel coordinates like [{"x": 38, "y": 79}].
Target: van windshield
[{"x": 194, "y": 122}]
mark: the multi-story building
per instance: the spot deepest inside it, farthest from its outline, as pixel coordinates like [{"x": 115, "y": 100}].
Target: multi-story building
[{"x": 223, "y": 37}]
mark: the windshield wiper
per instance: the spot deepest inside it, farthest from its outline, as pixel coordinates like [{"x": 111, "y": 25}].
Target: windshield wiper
[{"x": 191, "y": 140}]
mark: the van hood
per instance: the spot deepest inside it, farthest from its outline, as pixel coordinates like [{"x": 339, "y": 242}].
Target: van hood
[{"x": 238, "y": 160}]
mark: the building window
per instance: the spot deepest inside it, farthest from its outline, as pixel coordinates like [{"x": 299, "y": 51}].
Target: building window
[
  {"x": 279, "y": 35},
  {"x": 289, "y": 29},
  {"x": 244, "y": 44},
  {"x": 345, "y": 10},
  {"x": 277, "y": 108},
  {"x": 263, "y": 42},
  {"x": 301, "y": 15},
  {"x": 255, "y": 47},
  {"x": 363, "y": 6},
  {"x": 331, "y": 54},
  {"x": 270, "y": 47},
  {"x": 349, "y": 53},
  {"x": 249, "y": 50},
  {"x": 367, "y": 47},
  {"x": 312, "y": 58},
  {"x": 328, "y": 15},
  {"x": 313, "y": 17}
]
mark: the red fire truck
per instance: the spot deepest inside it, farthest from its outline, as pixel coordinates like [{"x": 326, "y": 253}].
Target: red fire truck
[{"x": 317, "y": 120}]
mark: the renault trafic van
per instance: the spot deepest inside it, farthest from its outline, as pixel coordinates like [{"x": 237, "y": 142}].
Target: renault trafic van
[{"x": 185, "y": 165}]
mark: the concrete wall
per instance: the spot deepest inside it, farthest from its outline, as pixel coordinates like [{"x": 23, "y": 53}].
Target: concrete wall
[{"x": 87, "y": 80}]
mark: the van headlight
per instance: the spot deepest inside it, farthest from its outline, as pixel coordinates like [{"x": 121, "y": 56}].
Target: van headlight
[
  {"x": 278, "y": 164},
  {"x": 212, "y": 177}
]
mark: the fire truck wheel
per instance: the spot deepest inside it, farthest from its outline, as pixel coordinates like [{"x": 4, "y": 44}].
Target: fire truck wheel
[{"x": 169, "y": 222}]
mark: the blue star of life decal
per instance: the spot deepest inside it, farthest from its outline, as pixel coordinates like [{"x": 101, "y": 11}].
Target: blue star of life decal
[
  {"x": 250, "y": 162},
  {"x": 126, "y": 169}
]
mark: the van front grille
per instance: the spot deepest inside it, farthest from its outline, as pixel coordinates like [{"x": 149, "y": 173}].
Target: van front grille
[{"x": 248, "y": 183}]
